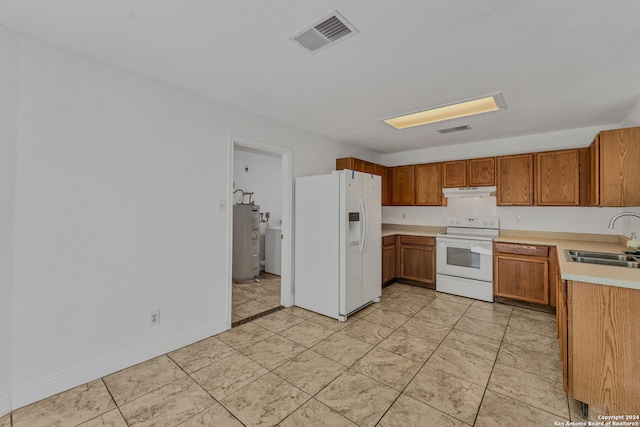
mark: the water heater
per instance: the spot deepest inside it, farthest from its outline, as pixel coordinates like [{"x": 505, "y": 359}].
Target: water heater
[{"x": 246, "y": 243}]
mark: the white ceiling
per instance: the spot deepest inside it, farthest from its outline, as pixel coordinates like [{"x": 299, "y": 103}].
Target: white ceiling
[{"x": 560, "y": 64}]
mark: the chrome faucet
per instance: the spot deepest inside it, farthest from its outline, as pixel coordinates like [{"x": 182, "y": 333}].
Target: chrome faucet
[{"x": 615, "y": 217}]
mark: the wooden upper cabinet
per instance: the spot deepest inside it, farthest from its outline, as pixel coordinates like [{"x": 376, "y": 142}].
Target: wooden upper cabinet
[
  {"x": 619, "y": 160},
  {"x": 345, "y": 163},
  {"x": 605, "y": 174},
  {"x": 557, "y": 178},
  {"x": 469, "y": 173},
  {"x": 428, "y": 183},
  {"x": 594, "y": 172},
  {"x": 402, "y": 185},
  {"x": 515, "y": 180},
  {"x": 454, "y": 174},
  {"x": 367, "y": 167},
  {"x": 481, "y": 172},
  {"x": 382, "y": 172},
  {"x": 379, "y": 170},
  {"x": 584, "y": 175},
  {"x": 355, "y": 165}
]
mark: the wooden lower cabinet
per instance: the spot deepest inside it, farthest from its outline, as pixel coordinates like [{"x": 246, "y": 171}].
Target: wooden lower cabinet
[
  {"x": 599, "y": 346},
  {"x": 521, "y": 272},
  {"x": 388, "y": 259},
  {"x": 416, "y": 259},
  {"x": 561, "y": 326}
]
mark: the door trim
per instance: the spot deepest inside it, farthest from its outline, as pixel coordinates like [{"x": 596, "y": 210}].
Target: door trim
[{"x": 286, "y": 284}]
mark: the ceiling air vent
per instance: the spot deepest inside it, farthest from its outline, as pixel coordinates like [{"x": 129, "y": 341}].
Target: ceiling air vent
[
  {"x": 455, "y": 129},
  {"x": 324, "y": 33}
]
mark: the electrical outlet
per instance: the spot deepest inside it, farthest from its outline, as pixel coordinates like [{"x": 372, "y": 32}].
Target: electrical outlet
[
  {"x": 404, "y": 216},
  {"x": 519, "y": 219},
  {"x": 154, "y": 318}
]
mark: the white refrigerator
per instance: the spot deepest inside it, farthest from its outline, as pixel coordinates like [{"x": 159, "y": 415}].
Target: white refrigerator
[{"x": 337, "y": 258}]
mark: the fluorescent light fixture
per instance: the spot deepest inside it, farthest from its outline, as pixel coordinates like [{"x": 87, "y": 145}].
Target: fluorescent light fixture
[{"x": 456, "y": 110}]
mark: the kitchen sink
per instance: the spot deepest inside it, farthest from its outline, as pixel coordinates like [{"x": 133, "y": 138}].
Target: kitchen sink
[{"x": 602, "y": 258}]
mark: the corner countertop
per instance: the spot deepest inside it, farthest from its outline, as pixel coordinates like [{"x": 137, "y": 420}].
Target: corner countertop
[
  {"x": 591, "y": 273},
  {"x": 411, "y": 230}
]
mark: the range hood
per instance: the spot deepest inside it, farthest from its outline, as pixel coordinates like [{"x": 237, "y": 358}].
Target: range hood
[{"x": 469, "y": 192}]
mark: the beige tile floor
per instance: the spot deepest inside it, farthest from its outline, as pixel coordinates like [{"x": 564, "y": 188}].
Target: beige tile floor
[
  {"x": 417, "y": 358},
  {"x": 249, "y": 299}
]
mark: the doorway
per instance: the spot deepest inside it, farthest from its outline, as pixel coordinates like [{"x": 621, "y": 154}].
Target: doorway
[{"x": 264, "y": 170}]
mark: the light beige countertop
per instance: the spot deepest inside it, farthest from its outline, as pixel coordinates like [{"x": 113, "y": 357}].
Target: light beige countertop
[
  {"x": 592, "y": 273},
  {"x": 411, "y": 230}
]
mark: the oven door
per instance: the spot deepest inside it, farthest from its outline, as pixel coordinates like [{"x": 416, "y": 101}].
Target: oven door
[{"x": 467, "y": 258}]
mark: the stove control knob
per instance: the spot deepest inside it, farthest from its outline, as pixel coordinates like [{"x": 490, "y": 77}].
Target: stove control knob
[
  {"x": 484, "y": 223},
  {"x": 457, "y": 221}
]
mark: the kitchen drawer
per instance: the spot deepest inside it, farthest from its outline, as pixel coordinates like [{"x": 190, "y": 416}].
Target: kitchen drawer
[
  {"x": 388, "y": 240},
  {"x": 520, "y": 249},
  {"x": 417, "y": 240}
]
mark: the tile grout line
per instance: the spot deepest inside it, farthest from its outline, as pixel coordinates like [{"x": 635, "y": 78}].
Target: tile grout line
[
  {"x": 496, "y": 362},
  {"x": 419, "y": 369},
  {"x": 484, "y": 392},
  {"x": 427, "y": 360},
  {"x": 207, "y": 391},
  {"x": 114, "y": 402},
  {"x": 441, "y": 343},
  {"x": 347, "y": 368},
  {"x": 271, "y": 370}
]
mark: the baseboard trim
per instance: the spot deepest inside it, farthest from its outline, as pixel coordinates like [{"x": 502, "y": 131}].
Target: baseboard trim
[
  {"x": 71, "y": 378},
  {"x": 5, "y": 404}
]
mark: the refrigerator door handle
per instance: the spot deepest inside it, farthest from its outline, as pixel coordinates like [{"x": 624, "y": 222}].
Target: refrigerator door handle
[{"x": 364, "y": 225}]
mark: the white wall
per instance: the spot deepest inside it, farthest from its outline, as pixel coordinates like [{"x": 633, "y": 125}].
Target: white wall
[
  {"x": 497, "y": 147},
  {"x": 632, "y": 118},
  {"x": 114, "y": 214},
  {"x": 574, "y": 219},
  {"x": 8, "y": 112},
  {"x": 628, "y": 224},
  {"x": 263, "y": 178},
  {"x": 560, "y": 219},
  {"x": 117, "y": 179}
]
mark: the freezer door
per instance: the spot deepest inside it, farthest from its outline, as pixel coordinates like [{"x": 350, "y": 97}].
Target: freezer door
[
  {"x": 317, "y": 233},
  {"x": 372, "y": 253},
  {"x": 352, "y": 235}
]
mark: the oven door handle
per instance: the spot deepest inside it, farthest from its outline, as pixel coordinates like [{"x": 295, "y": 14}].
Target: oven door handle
[
  {"x": 464, "y": 243},
  {"x": 482, "y": 250}
]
